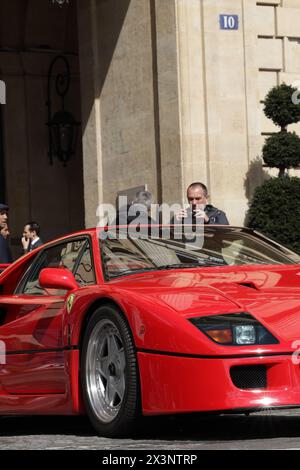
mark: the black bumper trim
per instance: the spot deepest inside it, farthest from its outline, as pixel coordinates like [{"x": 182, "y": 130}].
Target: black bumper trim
[{"x": 201, "y": 356}]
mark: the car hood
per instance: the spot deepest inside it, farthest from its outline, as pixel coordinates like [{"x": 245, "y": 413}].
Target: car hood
[{"x": 270, "y": 293}]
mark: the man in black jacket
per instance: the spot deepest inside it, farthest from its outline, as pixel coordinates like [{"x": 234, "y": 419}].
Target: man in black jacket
[
  {"x": 199, "y": 209},
  {"x": 5, "y": 254},
  {"x": 3, "y": 213},
  {"x": 139, "y": 210}
]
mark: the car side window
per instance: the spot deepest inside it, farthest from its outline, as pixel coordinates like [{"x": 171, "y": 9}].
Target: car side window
[
  {"x": 63, "y": 255},
  {"x": 84, "y": 271}
]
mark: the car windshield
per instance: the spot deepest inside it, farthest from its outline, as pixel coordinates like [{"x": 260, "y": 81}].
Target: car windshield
[{"x": 124, "y": 254}]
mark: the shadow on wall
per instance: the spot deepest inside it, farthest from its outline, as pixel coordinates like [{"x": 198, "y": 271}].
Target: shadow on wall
[
  {"x": 255, "y": 176},
  {"x": 110, "y": 17},
  {"x": 112, "y": 14}
]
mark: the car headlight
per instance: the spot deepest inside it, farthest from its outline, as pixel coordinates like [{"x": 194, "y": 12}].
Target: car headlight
[{"x": 234, "y": 329}]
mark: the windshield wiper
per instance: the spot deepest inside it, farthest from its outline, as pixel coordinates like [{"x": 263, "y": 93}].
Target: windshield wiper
[
  {"x": 165, "y": 267},
  {"x": 200, "y": 264},
  {"x": 133, "y": 271}
]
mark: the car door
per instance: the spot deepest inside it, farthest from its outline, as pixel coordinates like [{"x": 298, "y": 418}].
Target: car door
[{"x": 31, "y": 326}]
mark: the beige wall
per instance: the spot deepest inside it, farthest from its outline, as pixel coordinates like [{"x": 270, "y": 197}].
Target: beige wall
[
  {"x": 119, "y": 140},
  {"x": 170, "y": 98},
  {"x": 214, "y": 106}
]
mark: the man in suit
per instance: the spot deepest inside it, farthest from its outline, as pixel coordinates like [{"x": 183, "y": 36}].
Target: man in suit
[
  {"x": 4, "y": 230},
  {"x": 139, "y": 210},
  {"x": 3, "y": 213},
  {"x": 5, "y": 254},
  {"x": 31, "y": 239}
]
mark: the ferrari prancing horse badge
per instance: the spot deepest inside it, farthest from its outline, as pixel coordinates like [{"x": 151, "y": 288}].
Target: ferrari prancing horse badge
[{"x": 70, "y": 302}]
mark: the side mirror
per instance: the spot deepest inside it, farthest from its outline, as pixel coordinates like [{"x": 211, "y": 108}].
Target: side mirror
[{"x": 57, "y": 278}]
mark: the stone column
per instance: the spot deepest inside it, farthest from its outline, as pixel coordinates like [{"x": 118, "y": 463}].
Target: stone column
[
  {"x": 120, "y": 143},
  {"x": 90, "y": 109}
]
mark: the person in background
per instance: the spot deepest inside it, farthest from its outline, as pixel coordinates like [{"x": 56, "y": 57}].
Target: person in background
[
  {"x": 31, "y": 239},
  {"x": 139, "y": 208},
  {"x": 5, "y": 254},
  {"x": 199, "y": 207},
  {"x": 3, "y": 213},
  {"x": 141, "y": 205},
  {"x": 4, "y": 230}
]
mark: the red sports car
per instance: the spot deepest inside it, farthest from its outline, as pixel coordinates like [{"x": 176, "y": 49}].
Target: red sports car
[{"x": 119, "y": 326}]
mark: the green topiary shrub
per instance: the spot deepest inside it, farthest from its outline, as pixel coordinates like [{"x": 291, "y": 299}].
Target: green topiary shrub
[
  {"x": 282, "y": 151},
  {"x": 279, "y": 106},
  {"x": 275, "y": 211},
  {"x": 275, "y": 207}
]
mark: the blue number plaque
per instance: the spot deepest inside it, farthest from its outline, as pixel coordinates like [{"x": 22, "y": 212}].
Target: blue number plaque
[{"x": 229, "y": 22}]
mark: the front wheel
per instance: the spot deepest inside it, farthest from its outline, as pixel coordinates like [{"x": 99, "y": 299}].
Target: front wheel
[{"x": 109, "y": 373}]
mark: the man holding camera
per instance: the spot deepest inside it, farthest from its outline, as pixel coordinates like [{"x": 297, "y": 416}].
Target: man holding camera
[{"x": 199, "y": 209}]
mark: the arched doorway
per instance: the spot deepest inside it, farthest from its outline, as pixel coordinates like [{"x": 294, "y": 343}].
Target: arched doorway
[{"x": 32, "y": 34}]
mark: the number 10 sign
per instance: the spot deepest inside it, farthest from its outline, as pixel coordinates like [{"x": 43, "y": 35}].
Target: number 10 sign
[{"x": 229, "y": 22}]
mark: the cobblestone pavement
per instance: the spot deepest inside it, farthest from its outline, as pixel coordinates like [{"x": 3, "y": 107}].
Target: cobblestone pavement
[{"x": 267, "y": 430}]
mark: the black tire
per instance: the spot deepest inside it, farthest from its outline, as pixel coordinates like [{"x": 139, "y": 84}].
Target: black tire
[{"x": 112, "y": 397}]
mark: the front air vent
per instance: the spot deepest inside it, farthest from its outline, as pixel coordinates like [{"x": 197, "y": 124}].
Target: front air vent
[
  {"x": 246, "y": 377},
  {"x": 250, "y": 285}
]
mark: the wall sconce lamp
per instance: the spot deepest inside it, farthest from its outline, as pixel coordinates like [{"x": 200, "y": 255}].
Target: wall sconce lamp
[{"x": 62, "y": 127}]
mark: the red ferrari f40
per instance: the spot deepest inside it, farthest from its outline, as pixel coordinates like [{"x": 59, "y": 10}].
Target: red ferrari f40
[{"x": 120, "y": 326}]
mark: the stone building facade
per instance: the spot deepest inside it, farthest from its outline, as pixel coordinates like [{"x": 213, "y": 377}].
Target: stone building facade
[
  {"x": 178, "y": 99},
  {"x": 164, "y": 93}
]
